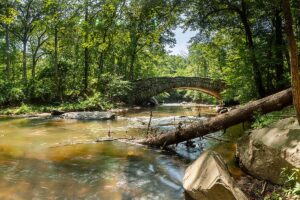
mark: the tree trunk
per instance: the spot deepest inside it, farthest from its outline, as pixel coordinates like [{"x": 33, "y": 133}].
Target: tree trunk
[
  {"x": 288, "y": 60},
  {"x": 86, "y": 50},
  {"x": 35, "y": 56},
  {"x": 34, "y": 61},
  {"x": 55, "y": 51},
  {"x": 33, "y": 66},
  {"x": 7, "y": 41},
  {"x": 86, "y": 69},
  {"x": 270, "y": 67},
  {"x": 101, "y": 64},
  {"x": 24, "y": 59},
  {"x": 268, "y": 104},
  {"x": 102, "y": 56},
  {"x": 133, "y": 51},
  {"x": 279, "y": 51},
  {"x": 293, "y": 55},
  {"x": 13, "y": 69},
  {"x": 250, "y": 44},
  {"x": 74, "y": 75},
  {"x": 131, "y": 67},
  {"x": 56, "y": 70}
]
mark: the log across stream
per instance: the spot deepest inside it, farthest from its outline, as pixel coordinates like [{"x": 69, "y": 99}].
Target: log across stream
[{"x": 268, "y": 104}]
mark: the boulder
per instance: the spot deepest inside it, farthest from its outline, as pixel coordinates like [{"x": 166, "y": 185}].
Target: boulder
[
  {"x": 96, "y": 115},
  {"x": 208, "y": 178},
  {"x": 56, "y": 112},
  {"x": 266, "y": 151}
]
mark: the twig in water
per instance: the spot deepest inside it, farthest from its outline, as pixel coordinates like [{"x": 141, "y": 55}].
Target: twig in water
[{"x": 149, "y": 123}]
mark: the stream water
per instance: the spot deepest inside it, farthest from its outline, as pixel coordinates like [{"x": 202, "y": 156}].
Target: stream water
[{"x": 57, "y": 159}]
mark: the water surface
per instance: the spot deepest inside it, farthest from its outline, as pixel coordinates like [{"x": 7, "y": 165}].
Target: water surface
[{"x": 57, "y": 159}]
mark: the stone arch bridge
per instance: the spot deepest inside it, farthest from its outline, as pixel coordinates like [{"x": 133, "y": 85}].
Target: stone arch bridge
[{"x": 144, "y": 89}]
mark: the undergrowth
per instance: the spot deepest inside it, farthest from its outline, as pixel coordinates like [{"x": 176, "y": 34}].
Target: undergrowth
[
  {"x": 95, "y": 102},
  {"x": 265, "y": 120}
]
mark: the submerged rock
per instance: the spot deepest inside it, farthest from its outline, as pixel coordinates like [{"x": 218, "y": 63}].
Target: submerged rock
[
  {"x": 266, "y": 151},
  {"x": 208, "y": 179},
  {"x": 96, "y": 115}
]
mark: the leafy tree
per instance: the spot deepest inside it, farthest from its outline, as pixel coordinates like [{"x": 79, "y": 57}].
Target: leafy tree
[
  {"x": 7, "y": 17},
  {"x": 70, "y": 45}
]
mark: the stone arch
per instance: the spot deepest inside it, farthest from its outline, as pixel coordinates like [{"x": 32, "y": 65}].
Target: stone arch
[{"x": 144, "y": 89}]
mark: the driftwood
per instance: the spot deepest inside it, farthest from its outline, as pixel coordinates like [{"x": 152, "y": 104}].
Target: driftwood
[
  {"x": 149, "y": 123},
  {"x": 268, "y": 104}
]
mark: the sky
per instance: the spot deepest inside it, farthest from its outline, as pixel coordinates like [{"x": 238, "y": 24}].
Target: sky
[{"x": 182, "y": 39}]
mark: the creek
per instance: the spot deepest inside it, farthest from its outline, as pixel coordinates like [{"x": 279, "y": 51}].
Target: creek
[{"x": 48, "y": 158}]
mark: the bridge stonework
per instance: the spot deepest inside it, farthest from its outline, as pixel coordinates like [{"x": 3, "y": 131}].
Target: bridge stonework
[{"x": 144, "y": 89}]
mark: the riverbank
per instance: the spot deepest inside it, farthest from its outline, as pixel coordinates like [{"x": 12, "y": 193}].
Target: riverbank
[{"x": 31, "y": 109}]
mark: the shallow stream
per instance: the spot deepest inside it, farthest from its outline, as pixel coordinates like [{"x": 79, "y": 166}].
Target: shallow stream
[{"x": 57, "y": 159}]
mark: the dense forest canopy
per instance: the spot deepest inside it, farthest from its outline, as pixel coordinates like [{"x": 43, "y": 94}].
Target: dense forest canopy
[{"x": 66, "y": 50}]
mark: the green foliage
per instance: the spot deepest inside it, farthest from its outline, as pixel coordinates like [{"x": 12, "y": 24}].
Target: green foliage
[
  {"x": 23, "y": 109},
  {"x": 291, "y": 185},
  {"x": 76, "y": 49},
  {"x": 10, "y": 93},
  {"x": 200, "y": 97},
  {"x": 274, "y": 196},
  {"x": 261, "y": 121},
  {"x": 291, "y": 181},
  {"x": 114, "y": 87},
  {"x": 95, "y": 102},
  {"x": 162, "y": 96}
]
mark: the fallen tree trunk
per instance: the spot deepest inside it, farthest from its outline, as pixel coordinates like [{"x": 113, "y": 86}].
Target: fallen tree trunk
[{"x": 268, "y": 104}]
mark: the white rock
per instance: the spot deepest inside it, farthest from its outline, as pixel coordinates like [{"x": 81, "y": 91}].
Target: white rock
[
  {"x": 266, "y": 151},
  {"x": 208, "y": 179},
  {"x": 96, "y": 115}
]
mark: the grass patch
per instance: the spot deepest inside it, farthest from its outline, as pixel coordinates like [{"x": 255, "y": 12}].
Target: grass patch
[
  {"x": 89, "y": 104},
  {"x": 266, "y": 120}
]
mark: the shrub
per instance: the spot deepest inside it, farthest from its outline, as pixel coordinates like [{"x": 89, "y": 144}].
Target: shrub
[
  {"x": 291, "y": 186},
  {"x": 113, "y": 87},
  {"x": 10, "y": 93},
  {"x": 94, "y": 102},
  {"x": 23, "y": 109},
  {"x": 291, "y": 182}
]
